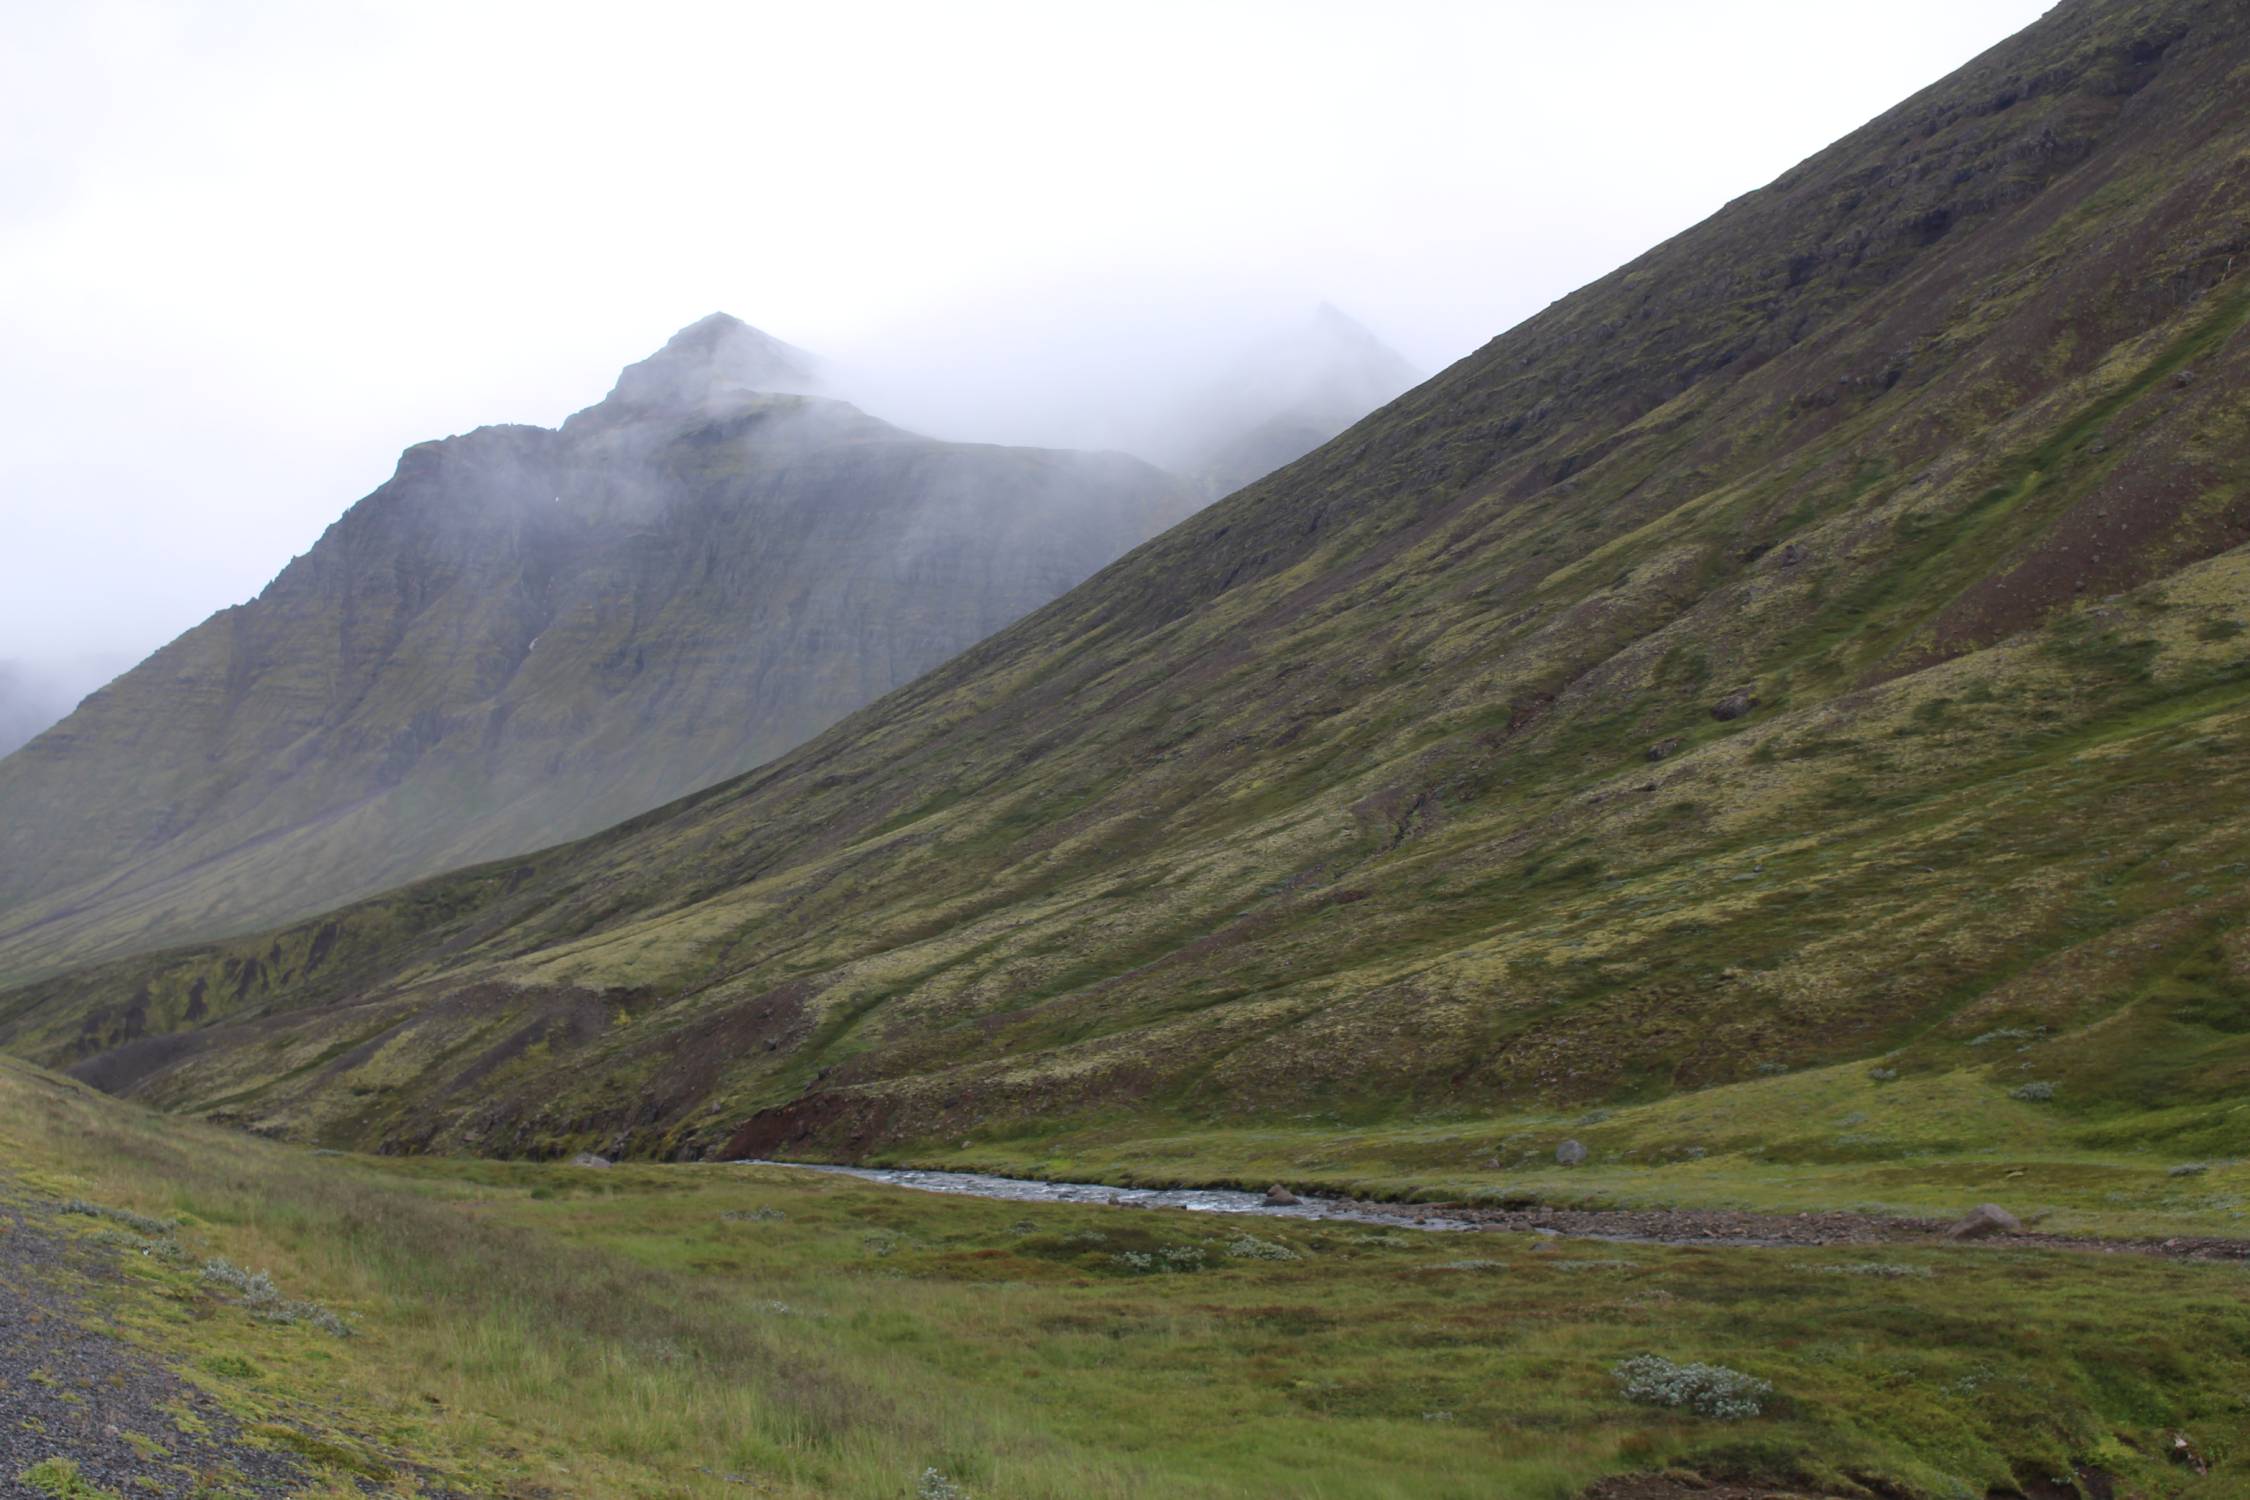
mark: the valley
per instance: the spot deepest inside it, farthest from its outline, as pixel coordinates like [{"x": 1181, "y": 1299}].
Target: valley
[{"x": 1682, "y": 882}]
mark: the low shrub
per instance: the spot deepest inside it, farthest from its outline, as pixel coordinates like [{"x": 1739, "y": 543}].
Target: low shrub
[
  {"x": 1708, "y": 1390},
  {"x": 264, "y": 1299},
  {"x": 138, "y": 1223}
]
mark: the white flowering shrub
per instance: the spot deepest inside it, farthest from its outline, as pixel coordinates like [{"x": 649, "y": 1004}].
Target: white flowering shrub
[
  {"x": 264, "y": 1299},
  {"x": 139, "y": 1223},
  {"x": 1709, "y": 1390}
]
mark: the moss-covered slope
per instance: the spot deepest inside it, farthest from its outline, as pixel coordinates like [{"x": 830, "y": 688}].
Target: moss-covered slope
[{"x": 1819, "y": 641}]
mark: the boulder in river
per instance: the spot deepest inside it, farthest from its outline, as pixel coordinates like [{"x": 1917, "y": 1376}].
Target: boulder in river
[{"x": 1278, "y": 1196}]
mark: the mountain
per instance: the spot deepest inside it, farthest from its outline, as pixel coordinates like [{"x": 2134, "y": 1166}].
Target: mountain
[
  {"x": 1280, "y": 399},
  {"x": 527, "y": 634},
  {"x": 1815, "y": 650}
]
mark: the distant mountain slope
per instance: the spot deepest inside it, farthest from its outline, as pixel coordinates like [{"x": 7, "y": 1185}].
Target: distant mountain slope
[
  {"x": 1281, "y": 399},
  {"x": 529, "y": 634},
  {"x": 1825, "y": 639}
]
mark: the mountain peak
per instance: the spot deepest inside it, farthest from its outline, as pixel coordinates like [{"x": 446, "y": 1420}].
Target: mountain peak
[{"x": 715, "y": 357}]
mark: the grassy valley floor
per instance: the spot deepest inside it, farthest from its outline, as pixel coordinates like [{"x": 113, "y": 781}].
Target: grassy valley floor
[
  {"x": 433, "y": 1326},
  {"x": 1850, "y": 1138}
]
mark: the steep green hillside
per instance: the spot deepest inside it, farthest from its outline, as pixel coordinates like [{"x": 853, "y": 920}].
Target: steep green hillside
[
  {"x": 527, "y": 635},
  {"x": 1815, "y": 649}
]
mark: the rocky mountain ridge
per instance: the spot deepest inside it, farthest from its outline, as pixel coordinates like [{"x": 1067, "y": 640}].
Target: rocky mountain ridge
[{"x": 528, "y": 634}]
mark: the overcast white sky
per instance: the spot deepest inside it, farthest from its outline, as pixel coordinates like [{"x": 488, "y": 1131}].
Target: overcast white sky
[{"x": 249, "y": 251}]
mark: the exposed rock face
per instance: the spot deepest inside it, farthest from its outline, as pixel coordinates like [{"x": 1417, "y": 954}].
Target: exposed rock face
[{"x": 527, "y": 635}]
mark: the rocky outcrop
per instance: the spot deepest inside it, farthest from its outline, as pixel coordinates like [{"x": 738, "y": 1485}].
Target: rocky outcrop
[{"x": 1984, "y": 1221}]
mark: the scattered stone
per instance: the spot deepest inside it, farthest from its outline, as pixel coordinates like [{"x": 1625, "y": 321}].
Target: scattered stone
[
  {"x": 1984, "y": 1220},
  {"x": 2189, "y": 1169},
  {"x": 1278, "y": 1196},
  {"x": 1734, "y": 705},
  {"x": 1570, "y": 1154},
  {"x": 589, "y": 1159},
  {"x": 1664, "y": 747}
]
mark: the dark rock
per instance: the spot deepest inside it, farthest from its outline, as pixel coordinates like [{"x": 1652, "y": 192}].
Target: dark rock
[
  {"x": 1734, "y": 705},
  {"x": 1570, "y": 1153},
  {"x": 1278, "y": 1196},
  {"x": 1984, "y": 1220},
  {"x": 1664, "y": 747}
]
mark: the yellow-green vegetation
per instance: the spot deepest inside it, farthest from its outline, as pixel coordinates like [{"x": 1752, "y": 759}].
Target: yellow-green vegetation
[
  {"x": 59, "y": 1479},
  {"x": 1817, "y": 645},
  {"x": 1825, "y": 1139},
  {"x": 721, "y": 1330}
]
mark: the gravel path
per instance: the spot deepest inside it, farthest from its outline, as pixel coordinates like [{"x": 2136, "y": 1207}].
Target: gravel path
[{"x": 72, "y": 1389}]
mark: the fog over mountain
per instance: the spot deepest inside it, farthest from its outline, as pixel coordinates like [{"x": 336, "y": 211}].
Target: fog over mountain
[
  {"x": 530, "y": 633},
  {"x": 1444, "y": 751},
  {"x": 239, "y": 272}
]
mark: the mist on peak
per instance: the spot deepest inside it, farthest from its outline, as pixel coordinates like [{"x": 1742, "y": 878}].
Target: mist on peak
[
  {"x": 1283, "y": 396},
  {"x": 713, "y": 360}
]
